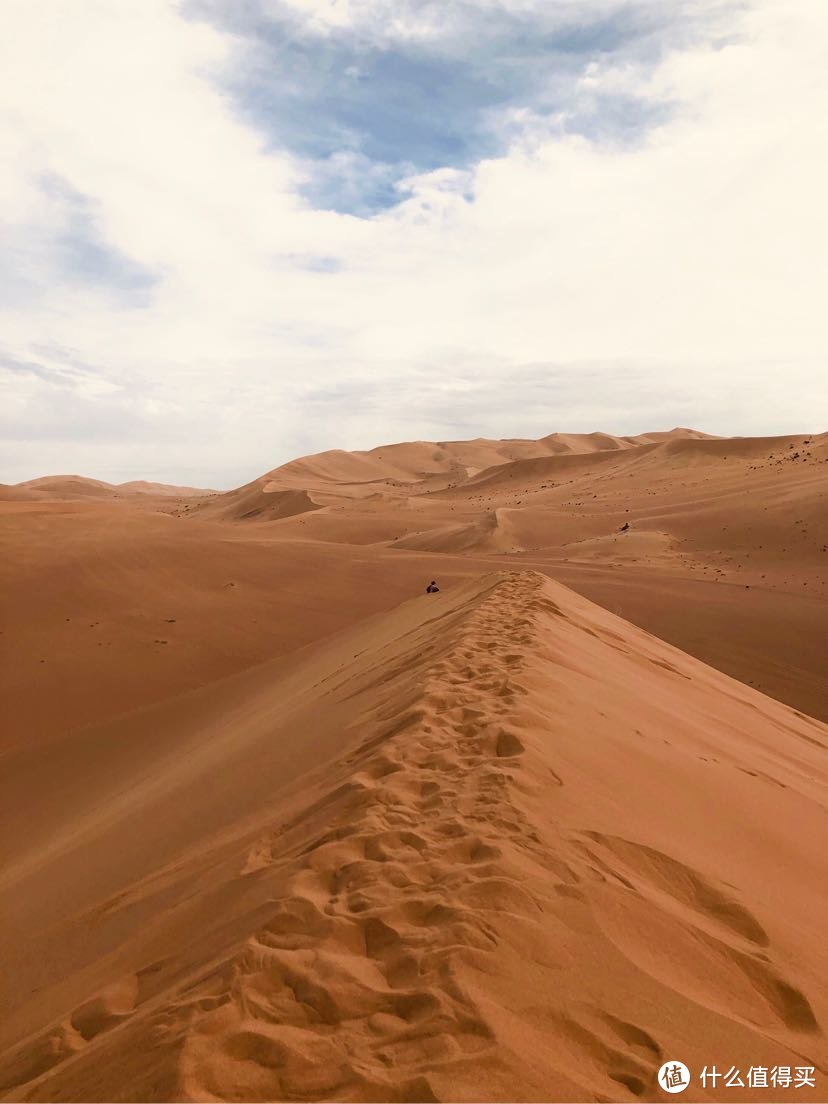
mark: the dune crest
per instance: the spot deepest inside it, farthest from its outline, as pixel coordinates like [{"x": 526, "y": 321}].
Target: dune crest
[{"x": 529, "y": 852}]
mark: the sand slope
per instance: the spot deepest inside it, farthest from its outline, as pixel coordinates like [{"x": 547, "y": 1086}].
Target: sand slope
[
  {"x": 494, "y": 844},
  {"x": 265, "y": 833}
]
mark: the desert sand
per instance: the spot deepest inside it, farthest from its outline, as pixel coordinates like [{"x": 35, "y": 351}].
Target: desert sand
[{"x": 276, "y": 825}]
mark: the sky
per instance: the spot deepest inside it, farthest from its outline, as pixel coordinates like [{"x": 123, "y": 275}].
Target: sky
[{"x": 233, "y": 232}]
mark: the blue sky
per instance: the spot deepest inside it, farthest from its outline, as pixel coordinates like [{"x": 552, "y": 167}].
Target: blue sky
[{"x": 236, "y": 231}]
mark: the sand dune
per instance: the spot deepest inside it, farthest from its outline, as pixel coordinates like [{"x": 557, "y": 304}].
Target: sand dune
[
  {"x": 539, "y": 471},
  {"x": 470, "y": 849},
  {"x": 273, "y": 829},
  {"x": 62, "y": 486},
  {"x": 108, "y": 607},
  {"x": 67, "y": 487},
  {"x": 491, "y": 533},
  {"x": 601, "y": 442},
  {"x": 11, "y": 492},
  {"x": 258, "y": 501},
  {"x": 427, "y": 462}
]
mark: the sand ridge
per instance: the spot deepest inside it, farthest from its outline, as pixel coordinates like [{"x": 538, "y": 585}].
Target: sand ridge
[
  {"x": 272, "y": 828},
  {"x": 497, "y": 876}
]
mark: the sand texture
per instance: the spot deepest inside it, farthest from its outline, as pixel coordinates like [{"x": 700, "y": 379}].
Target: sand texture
[{"x": 276, "y": 825}]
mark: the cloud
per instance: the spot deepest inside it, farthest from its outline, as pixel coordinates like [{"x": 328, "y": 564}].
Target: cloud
[
  {"x": 372, "y": 93},
  {"x": 64, "y": 244},
  {"x": 641, "y": 243}
]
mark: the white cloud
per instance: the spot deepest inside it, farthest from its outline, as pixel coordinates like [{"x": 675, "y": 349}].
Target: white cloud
[{"x": 695, "y": 260}]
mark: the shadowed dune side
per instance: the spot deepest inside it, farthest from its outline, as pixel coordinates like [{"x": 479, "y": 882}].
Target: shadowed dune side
[
  {"x": 492, "y": 533},
  {"x": 494, "y": 844},
  {"x": 257, "y": 502}
]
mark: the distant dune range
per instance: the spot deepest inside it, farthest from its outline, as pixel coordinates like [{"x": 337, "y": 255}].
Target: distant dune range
[
  {"x": 110, "y": 605},
  {"x": 68, "y": 487},
  {"x": 276, "y": 825}
]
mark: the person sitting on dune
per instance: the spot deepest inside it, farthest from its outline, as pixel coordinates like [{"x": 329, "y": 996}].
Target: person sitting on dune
[{"x": 432, "y": 588}]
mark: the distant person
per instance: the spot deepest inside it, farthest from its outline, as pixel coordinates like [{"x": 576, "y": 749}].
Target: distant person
[{"x": 432, "y": 588}]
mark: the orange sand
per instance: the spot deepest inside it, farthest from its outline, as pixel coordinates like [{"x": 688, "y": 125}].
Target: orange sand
[{"x": 274, "y": 829}]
